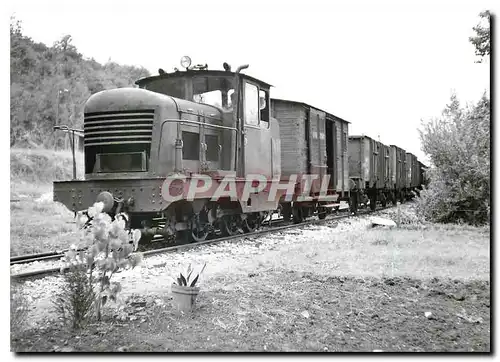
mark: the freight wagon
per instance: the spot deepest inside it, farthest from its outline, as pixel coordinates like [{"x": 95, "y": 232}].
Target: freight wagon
[
  {"x": 313, "y": 142},
  {"x": 397, "y": 173},
  {"x": 369, "y": 170}
]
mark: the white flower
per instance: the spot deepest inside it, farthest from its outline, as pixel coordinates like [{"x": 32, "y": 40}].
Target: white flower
[
  {"x": 81, "y": 219},
  {"x": 136, "y": 236},
  {"x": 99, "y": 206},
  {"x": 92, "y": 211}
]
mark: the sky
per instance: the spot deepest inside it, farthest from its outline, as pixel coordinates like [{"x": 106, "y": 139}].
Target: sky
[{"x": 383, "y": 66}]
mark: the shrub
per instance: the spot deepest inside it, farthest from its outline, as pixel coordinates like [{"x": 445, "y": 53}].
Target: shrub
[{"x": 459, "y": 147}]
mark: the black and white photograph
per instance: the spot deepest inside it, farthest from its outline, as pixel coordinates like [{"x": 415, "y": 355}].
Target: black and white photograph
[{"x": 250, "y": 176}]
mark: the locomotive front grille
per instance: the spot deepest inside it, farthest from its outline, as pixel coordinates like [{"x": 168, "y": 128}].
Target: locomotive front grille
[{"x": 118, "y": 128}]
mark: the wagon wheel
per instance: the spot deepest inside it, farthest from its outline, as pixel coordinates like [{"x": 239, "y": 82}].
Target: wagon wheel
[
  {"x": 250, "y": 223},
  {"x": 230, "y": 225},
  {"x": 322, "y": 213},
  {"x": 373, "y": 202},
  {"x": 200, "y": 227},
  {"x": 298, "y": 215},
  {"x": 383, "y": 200}
]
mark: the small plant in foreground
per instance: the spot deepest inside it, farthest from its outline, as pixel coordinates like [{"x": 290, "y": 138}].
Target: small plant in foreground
[
  {"x": 75, "y": 303},
  {"x": 109, "y": 250},
  {"x": 19, "y": 307},
  {"x": 187, "y": 281}
]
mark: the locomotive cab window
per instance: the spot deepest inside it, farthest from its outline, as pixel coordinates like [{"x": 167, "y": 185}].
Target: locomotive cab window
[
  {"x": 215, "y": 91},
  {"x": 212, "y": 142},
  {"x": 264, "y": 108},
  {"x": 251, "y": 104},
  {"x": 190, "y": 146}
]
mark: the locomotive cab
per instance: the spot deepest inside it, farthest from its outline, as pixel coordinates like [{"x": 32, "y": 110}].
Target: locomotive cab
[{"x": 243, "y": 103}]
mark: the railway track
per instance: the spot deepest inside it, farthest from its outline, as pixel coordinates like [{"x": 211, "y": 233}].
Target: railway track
[{"x": 271, "y": 229}]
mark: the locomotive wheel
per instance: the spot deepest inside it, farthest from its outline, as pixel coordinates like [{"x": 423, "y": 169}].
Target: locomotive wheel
[
  {"x": 230, "y": 225},
  {"x": 250, "y": 223},
  {"x": 200, "y": 228}
]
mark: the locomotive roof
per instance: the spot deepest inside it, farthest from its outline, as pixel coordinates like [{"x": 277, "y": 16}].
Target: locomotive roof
[
  {"x": 192, "y": 73},
  {"x": 308, "y": 105}
]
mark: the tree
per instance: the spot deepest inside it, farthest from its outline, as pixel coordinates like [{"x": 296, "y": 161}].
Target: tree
[
  {"x": 481, "y": 40},
  {"x": 458, "y": 144},
  {"x": 37, "y": 75}
]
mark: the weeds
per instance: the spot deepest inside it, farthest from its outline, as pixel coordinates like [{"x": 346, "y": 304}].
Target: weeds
[
  {"x": 75, "y": 304},
  {"x": 19, "y": 307}
]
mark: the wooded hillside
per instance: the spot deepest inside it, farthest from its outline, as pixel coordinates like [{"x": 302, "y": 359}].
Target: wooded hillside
[{"x": 49, "y": 85}]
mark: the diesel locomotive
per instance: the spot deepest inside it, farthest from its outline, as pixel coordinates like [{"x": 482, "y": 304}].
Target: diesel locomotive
[{"x": 189, "y": 125}]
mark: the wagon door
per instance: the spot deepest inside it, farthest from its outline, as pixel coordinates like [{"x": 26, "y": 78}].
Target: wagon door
[{"x": 317, "y": 144}]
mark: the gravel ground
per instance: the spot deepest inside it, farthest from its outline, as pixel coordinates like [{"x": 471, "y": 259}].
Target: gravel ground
[{"x": 154, "y": 276}]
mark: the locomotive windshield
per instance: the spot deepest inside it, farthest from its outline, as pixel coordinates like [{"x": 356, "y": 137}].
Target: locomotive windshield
[{"x": 215, "y": 90}]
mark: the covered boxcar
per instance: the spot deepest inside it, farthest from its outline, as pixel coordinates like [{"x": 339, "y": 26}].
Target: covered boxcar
[
  {"x": 412, "y": 174},
  {"x": 313, "y": 142},
  {"x": 369, "y": 170},
  {"x": 397, "y": 173}
]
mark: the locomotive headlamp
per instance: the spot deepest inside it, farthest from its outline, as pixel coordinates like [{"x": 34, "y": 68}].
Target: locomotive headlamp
[{"x": 186, "y": 61}]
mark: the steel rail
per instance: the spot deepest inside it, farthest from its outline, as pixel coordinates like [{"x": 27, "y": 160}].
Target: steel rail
[{"x": 233, "y": 238}]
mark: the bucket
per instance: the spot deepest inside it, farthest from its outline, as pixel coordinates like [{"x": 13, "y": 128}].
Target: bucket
[{"x": 184, "y": 297}]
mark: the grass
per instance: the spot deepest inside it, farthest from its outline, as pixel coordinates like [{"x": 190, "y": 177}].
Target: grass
[
  {"x": 40, "y": 226},
  {"x": 34, "y": 166},
  {"x": 452, "y": 252},
  {"x": 35, "y": 225}
]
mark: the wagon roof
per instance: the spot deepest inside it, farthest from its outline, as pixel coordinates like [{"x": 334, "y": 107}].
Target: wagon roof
[{"x": 308, "y": 105}]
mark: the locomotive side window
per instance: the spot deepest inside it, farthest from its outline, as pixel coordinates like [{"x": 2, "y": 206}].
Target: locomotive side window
[
  {"x": 251, "y": 104},
  {"x": 190, "y": 146},
  {"x": 212, "y": 147},
  {"x": 264, "y": 107},
  {"x": 214, "y": 98}
]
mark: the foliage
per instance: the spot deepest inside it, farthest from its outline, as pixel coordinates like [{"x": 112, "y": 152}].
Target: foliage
[
  {"x": 109, "y": 250},
  {"x": 187, "y": 281},
  {"x": 482, "y": 39},
  {"x": 49, "y": 85},
  {"x": 75, "y": 303},
  {"x": 458, "y": 145},
  {"x": 19, "y": 307}
]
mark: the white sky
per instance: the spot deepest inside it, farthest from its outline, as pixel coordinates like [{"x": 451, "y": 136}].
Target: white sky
[{"x": 381, "y": 66}]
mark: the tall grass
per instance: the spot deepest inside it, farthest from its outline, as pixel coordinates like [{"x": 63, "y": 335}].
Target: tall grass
[{"x": 43, "y": 165}]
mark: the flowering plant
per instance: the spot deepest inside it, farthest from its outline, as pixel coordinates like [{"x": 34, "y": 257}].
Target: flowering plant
[{"x": 110, "y": 249}]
